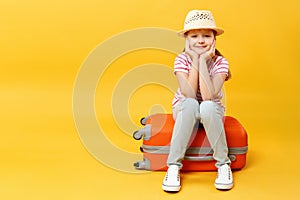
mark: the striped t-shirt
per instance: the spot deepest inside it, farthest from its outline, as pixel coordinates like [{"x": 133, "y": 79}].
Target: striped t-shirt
[{"x": 183, "y": 64}]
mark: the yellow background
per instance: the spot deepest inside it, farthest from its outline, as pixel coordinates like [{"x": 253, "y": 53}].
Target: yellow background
[{"x": 44, "y": 43}]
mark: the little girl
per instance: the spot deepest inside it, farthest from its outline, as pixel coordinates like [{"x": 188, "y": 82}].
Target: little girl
[{"x": 201, "y": 71}]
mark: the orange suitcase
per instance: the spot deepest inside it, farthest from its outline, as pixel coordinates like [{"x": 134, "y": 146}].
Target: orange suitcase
[{"x": 157, "y": 133}]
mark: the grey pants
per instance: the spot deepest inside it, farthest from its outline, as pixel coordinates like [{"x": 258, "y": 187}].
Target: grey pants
[{"x": 186, "y": 115}]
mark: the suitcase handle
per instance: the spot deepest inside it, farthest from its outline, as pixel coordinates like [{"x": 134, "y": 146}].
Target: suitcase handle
[{"x": 206, "y": 158}]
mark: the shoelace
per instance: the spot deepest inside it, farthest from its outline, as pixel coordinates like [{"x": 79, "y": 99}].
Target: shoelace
[
  {"x": 225, "y": 172},
  {"x": 172, "y": 171}
]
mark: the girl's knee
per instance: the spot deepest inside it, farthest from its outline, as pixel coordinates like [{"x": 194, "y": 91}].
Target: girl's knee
[
  {"x": 207, "y": 109},
  {"x": 190, "y": 102}
]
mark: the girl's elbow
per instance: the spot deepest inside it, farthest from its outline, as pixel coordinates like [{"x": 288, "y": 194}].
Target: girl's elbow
[
  {"x": 206, "y": 98},
  {"x": 209, "y": 97}
]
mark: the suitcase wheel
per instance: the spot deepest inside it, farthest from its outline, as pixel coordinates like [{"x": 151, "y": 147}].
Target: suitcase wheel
[
  {"x": 141, "y": 149},
  {"x": 136, "y": 164},
  {"x": 143, "y": 132},
  {"x": 142, "y": 165},
  {"x": 137, "y": 135},
  {"x": 139, "y": 165},
  {"x": 143, "y": 121}
]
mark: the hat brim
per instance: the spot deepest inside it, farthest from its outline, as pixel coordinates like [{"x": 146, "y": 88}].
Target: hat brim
[{"x": 219, "y": 31}]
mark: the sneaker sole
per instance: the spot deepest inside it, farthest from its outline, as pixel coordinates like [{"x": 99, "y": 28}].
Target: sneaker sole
[
  {"x": 170, "y": 188},
  {"x": 223, "y": 186}
]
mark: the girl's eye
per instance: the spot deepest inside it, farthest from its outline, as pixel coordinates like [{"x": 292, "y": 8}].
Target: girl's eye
[
  {"x": 193, "y": 36},
  {"x": 207, "y": 35}
]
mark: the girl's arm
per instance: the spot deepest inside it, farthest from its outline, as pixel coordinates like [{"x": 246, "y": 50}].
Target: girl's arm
[
  {"x": 188, "y": 83},
  {"x": 209, "y": 87}
]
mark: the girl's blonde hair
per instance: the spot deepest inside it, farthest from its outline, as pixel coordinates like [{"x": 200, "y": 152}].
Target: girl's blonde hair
[{"x": 218, "y": 53}]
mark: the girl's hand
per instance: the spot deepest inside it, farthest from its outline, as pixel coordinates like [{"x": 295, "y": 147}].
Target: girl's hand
[
  {"x": 210, "y": 53},
  {"x": 189, "y": 51}
]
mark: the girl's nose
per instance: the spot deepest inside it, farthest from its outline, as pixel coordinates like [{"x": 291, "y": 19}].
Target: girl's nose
[{"x": 200, "y": 40}]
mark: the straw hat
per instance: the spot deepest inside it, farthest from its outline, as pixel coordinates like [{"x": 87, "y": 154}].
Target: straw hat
[{"x": 200, "y": 19}]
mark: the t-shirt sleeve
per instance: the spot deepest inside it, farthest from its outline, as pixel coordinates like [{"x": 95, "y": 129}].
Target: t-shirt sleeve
[
  {"x": 221, "y": 66},
  {"x": 181, "y": 64}
]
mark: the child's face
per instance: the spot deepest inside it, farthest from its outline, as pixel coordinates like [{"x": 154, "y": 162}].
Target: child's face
[{"x": 200, "y": 40}]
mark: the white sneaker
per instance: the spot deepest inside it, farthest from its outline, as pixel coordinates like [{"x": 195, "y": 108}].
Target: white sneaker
[
  {"x": 171, "y": 181},
  {"x": 224, "y": 180}
]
